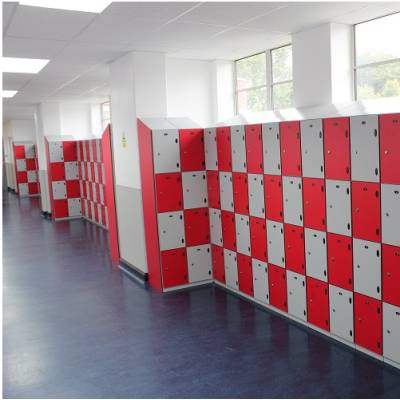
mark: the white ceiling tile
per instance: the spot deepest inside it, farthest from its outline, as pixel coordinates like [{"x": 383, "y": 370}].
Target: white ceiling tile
[
  {"x": 32, "y": 48},
  {"x": 368, "y": 12},
  {"x": 15, "y": 81},
  {"x": 8, "y": 11}
]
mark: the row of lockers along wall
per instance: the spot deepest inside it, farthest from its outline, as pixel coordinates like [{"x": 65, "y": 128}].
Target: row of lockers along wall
[{"x": 26, "y": 169}]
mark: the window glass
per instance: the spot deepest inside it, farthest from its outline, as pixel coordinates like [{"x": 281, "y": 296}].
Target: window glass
[
  {"x": 251, "y": 71},
  {"x": 282, "y": 95},
  {"x": 282, "y": 64},
  {"x": 252, "y": 100}
]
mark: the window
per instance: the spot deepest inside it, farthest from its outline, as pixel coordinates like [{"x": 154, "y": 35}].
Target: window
[
  {"x": 105, "y": 114},
  {"x": 282, "y": 77},
  {"x": 377, "y": 58}
]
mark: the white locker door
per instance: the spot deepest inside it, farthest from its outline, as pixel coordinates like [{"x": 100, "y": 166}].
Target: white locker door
[
  {"x": 23, "y": 189},
  {"x": 210, "y": 148},
  {"x": 83, "y": 171},
  {"x": 297, "y": 297},
  {"x": 59, "y": 190},
  {"x": 391, "y": 214},
  {"x": 231, "y": 272},
  {"x": 293, "y": 200},
  {"x": 242, "y": 234},
  {"x": 226, "y": 191},
  {"x": 238, "y": 143},
  {"x": 338, "y": 207},
  {"x": 364, "y": 139},
  {"x": 271, "y": 148},
  {"x": 341, "y": 313},
  {"x": 71, "y": 170},
  {"x": 166, "y": 151},
  {"x": 367, "y": 268},
  {"x": 276, "y": 247},
  {"x": 171, "y": 230},
  {"x": 312, "y": 148},
  {"x": 194, "y": 186},
  {"x": 74, "y": 207},
  {"x": 391, "y": 332},
  {"x": 56, "y": 152},
  {"x": 256, "y": 195},
  {"x": 215, "y": 226},
  {"x": 316, "y": 256},
  {"x": 260, "y": 281},
  {"x": 29, "y": 151},
  {"x": 21, "y": 165},
  {"x": 199, "y": 263},
  {"x": 32, "y": 176}
]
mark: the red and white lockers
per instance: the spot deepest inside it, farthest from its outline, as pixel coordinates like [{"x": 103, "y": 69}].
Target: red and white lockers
[
  {"x": 224, "y": 155},
  {"x": 214, "y": 199},
  {"x": 391, "y": 274},
  {"x": 260, "y": 281},
  {"x": 238, "y": 147},
  {"x": 258, "y": 238},
  {"x": 226, "y": 190},
  {"x": 197, "y": 226},
  {"x": 312, "y": 148},
  {"x": 240, "y": 192},
  {"x": 297, "y": 297},
  {"x": 391, "y": 332},
  {"x": 215, "y": 226},
  {"x": 210, "y": 149},
  {"x": 245, "y": 274},
  {"x": 271, "y": 148},
  {"x": 293, "y": 200},
  {"x": 275, "y": 243},
  {"x": 191, "y": 142},
  {"x": 242, "y": 228},
  {"x": 318, "y": 303},
  {"x": 390, "y": 214},
  {"x": 341, "y": 313},
  {"x": 290, "y": 148},
  {"x": 254, "y": 149},
  {"x": 169, "y": 191},
  {"x": 277, "y": 287},
  {"x": 217, "y": 254},
  {"x": 273, "y": 197},
  {"x": 314, "y": 203},
  {"x": 316, "y": 254},
  {"x": 231, "y": 269},
  {"x": 228, "y": 230},
  {"x": 338, "y": 207},
  {"x": 294, "y": 248}
]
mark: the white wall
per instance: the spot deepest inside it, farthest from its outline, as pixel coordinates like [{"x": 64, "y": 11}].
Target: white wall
[
  {"x": 223, "y": 93},
  {"x": 75, "y": 120}
]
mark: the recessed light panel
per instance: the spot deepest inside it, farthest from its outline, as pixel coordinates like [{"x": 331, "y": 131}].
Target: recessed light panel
[
  {"x": 23, "y": 65},
  {"x": 94, "y": 6},
  {"x": 9, "y": 93}
]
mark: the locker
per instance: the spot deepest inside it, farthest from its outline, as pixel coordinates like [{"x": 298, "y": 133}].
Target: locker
[
  {"x": 213, "y": 189},
  {"x": 276, "y": 248},
  {"x": 56, "y": 152},
  {"x": 391, "y": 214},
  {"x": 391, "y": 332},
  {"x": 389, "y": 130},
  {"x": 194, "y": 186},
  {"x": 30, "y": 151},
  {"x": 341, "y": 313},
  {"x": 93, "y": 150},
  {"x": 224, "y": 149},
  {"x": 366, "y": 211},
  {"x": 84, "y": 189},
  {"x": 96, "y": 172},
  {"x": 277, "y": 287},
  {"x": 242, "y": 234},
  {"x": 191, "y": 142},
  {"x": 228, "y": 230},
  {"x": 364, "y": 148},
  {"x": 314, "y": 203},
  {"x": 256, "y": 196},
  {"x": 174, "y": 267},
  {"x": 19, "y": 152},
  {"x": 340, "y": 261},
  {"x": 391, "y": 274},
  {"x": 254, "y": 149},
  {"x": 238, "y": 149},
  {"x": 88, "y": 190},
  {"x": 316, "y": 256},
  {"x": 60, "y": 208},
  {"x": 312, "y": 148},
  {"x": 71, "y": 170},
  {"x": 94, "y": 191},
  {"x": 171, "y": 230},
  {"x": 86, "y": 209},
  {"x": 89, "y": 171},
  {"x": 294, "y": 248},
  {"x": 166, "y": 151},
  {"x": 20, "y": 165},
  {"x": 104, "y": 215},
  {"x": 318, "y": 303},
  {"x": 260, "y": 281},
  {"x": 31, "y": 164},
  {"x": 368, "y": 323},
  {"x": 83, "y": 171},
  {"x": 199, "y": 263},
  {"x": 103, "y": 174},
  {"x": 90, "y": 147},
  {"x": 169, "y": 192},
  {"x": 292, "y": 200},
  {"x": 240, "y": 193},
  {"x": 22, "y": 176},
  {"x": 33, "y": 187},
  {"x": 98, "y": 206},
  {"x": 231, "y": 272},
  {"x": 226, "y": 190},
  {"x": 59, "y": 190},
  {"x": 217, "y": 254},
  {"x": 273, "y": 197},
  {"x": 197, "y": 226},
  {"x": 210, "y": 149},
  {"x": 290, "y": 148},
  {"x": 338, "y": 207},
  {"x": 245, "y": 274},
  {"x": 272, "y": 149},
  {"x": 23, "y": 189},
  {"x": 258, "y": 238},
  {"x": 83, "y": 151},
  {"x": 70, "y": 151},
  {"x": 74, "y": 207},
  {"x": 98, "y": 150},
  {"x": 73, "y": 189},
  {"x": 216, "y": 227},
  {"x": 297, "y": 298}
]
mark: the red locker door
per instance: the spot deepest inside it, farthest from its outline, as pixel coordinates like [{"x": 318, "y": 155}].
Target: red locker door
[
  {"x": 217, "y": 254},
  {"x": 389, "y": 128},
  {"x": 22, "y": 176},
  {"x": 19, "y": 152},
  {"x": 368, "y": 323},
  {"x": 290, "y": 148},
  {"x": 31, "y": 164},
  {"x": 33, "y": 188},
  {"x": 258, "y": 238},
  {"x": 214, "y": 200},
  {"x": 169, "y": 192},
  {"x": 277, "y": 287},
  {"x": 273, "y": 197},
  {"x": 174, "y": 267},
  {"x": 318, "y": 303},
  {"x": 240, "y": 193},
  {"x": 254, "y": 149},
  {"x": 337, "y": 148},
  {"x": 94, "y": 150},
  {"x": 340, "y": 261},
  {"x": 228, "y": 230},
  {"x": 60, "y": 208},
  {"x": 224, "y": 149},
  {"x": 70, "y": 151},
  {"x": 57, "y": 171},
  {"x": 191, "y": 142},
  {"x": 245, "y": 274},
  {"x": 294, "y": 248},
  {"x": 197, "y": 226},
  {"x": 73, "y": 189},
  {"x": 391, "y": 274},
  {"x": 366, "y": 210},
  {"x": 314, "y": 203}
]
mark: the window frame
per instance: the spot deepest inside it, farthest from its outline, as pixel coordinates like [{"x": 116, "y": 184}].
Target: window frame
[{"x": 101, "y": 114}]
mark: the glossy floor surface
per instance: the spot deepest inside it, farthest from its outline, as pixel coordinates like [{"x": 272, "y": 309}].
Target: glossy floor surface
[{"x": 74, "y": 326}]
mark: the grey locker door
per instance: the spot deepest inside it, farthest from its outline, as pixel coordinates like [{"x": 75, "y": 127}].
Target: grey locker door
[
  {"x": 166, "y": 151},
  {"x": 32, "y": 176},
  {"x": 364, "y": 139},
  {"x": 71, "y": 170},
  {"x": 271, "y": 148},
  {"x": 194, "y": 185},
  {"x": 215, "y": 226},
  {"x": 391, "y": 332},
  {"x": 21, "y": 165},
  {"x": 199, "y": 263},
  {"x": 275, "y": 243},
  {"x": 56, "y": 152},
  {"x": 312, "y": 148},
  {"x": 391, "y": 214},
  {"x": 75, "y": 208},
  {"x": 260, "y": 281},
  {"x": 29, "y": 151},
  {"x": 238, "y": 144},
  {"x": 210, "y": 147},
  {"x": 297, "y": 297},
  {"x": 23, "y": 189},
  {"x": 316, "y": 256},
  {"x": 226, "y": 191},
  {"x": 59, "y": 190},
  {"x": 256, "y": 195},
  {"x": 341, "y": 313},
  {"x": 171, "y": 230},
  {"x": 293, "y": 200},
  {"x": 231, "y": 272},
  {"x": 367, "y": 268},
  {"x": 242, "y": 234},
  {"x": 338, "y": 207}
]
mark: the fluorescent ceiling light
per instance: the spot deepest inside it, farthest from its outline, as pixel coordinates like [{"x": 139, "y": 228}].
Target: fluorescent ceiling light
[
  {"x": 9, "y": 93},
  {"x": 94, "y": 6},
  {"x": 23, "y": 65}
]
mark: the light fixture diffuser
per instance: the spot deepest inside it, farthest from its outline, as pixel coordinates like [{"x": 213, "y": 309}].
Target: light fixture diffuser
[
  {"x": 93, "y": 6},
  {"x": 23, "y": 65},
  {"x": 9, "y": 93}
]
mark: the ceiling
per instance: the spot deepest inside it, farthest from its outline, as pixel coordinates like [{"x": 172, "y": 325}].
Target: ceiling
[{"x": 80, "y": 45}]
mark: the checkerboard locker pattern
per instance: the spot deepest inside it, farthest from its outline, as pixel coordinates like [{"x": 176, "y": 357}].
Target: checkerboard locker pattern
[{"x": 26, "y": 169}]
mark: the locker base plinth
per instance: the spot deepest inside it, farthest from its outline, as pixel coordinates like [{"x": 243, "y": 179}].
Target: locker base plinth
[
  {"x": 29, "y": 195},
  {"x": 67, "y": 218},
  {"x": 188, "y": 286},
  {"x": 391, "y": 363},
  {"x": 134, "y": 273},
  {"x": 95, "y": 223},
  {"x": 369, "y": 352},
  {"x": 344, "y": 341}
]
